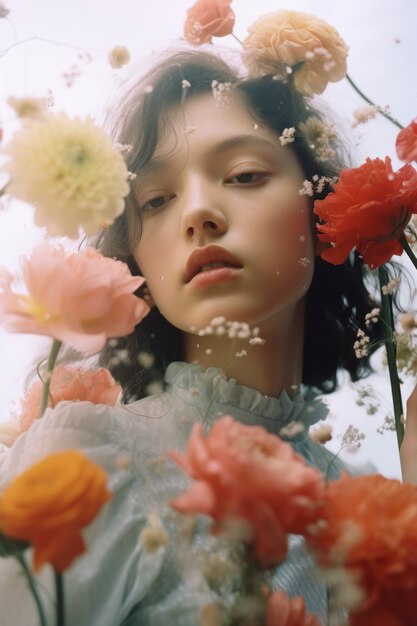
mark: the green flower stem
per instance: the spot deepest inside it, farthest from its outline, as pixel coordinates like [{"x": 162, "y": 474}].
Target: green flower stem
[
  {"x": 60, "y": 610},
  {"x": 364, "y": 97},
  {"x": 407, "y": 249},
  {"x": 388, "y": 330},
  {"x": 32, "y": 585},
  {"x": 55, "y": 348}
]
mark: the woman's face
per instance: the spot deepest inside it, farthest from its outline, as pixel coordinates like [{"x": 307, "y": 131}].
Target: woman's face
[{"x": 225, "y": 230}]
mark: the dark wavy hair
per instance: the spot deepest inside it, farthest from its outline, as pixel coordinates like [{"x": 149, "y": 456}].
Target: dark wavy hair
[{"x": 338, "y": 298}]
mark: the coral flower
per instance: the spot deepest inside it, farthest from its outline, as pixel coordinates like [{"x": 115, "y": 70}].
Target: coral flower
[
  {"x": 79, "y": 298},
  {"x": 369, "y": 527},
  {"x": 406, "y": 142},
  {"x": 50, "y": 503},
  {"x": 285, "y": 611},
  {"x": 243, "y": 472},
  {"x": 313, "y": 50},
  {"x": 207, "y": 19},
  {"x": 369, "y": 209},
  {"x": 69, "y": 169},
  {"x": 69, "y": 383}
]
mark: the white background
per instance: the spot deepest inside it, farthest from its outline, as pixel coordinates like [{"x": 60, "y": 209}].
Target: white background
[{"x": 41, "y": 40}]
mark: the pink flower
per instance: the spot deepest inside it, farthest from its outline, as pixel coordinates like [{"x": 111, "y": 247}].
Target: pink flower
[
  {"x": 69, "y": 383},
  {"x": 285, "y": 611},
  {"x": 243, "y": 472},
  {"x": 79, "y": 298},
  {"x": 406, "y": 142}
]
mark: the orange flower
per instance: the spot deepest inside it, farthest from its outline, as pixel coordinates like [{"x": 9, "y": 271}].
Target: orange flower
[
  {"x": 369, "y": 527},
  {"x": 368, "y": 209},
  {"x": 207, "y": 19},
  {"x": 50, "y": 503},
  {"x": 243, "y": 472},
  {"x": 406, "y": 142},
  {"x": 285, "y": 611},
  {"x": 79, "y": 298},
  {"x": 69, "y": 383}
]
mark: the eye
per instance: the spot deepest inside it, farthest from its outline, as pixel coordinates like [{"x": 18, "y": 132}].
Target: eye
[
  {"x": 158, "y": 202},
  {"x": 249, "y": 179}
]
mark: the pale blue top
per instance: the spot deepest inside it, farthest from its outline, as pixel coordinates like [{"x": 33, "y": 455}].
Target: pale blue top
[{"x": 117, "y": 582}]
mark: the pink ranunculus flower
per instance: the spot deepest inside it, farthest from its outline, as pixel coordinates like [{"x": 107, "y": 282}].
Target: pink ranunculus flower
[
  {"x": 79, "y": 298},
  {"x": 285, "y": 611},
  {"x": 245, "y": 473},
  {"x": 69, "y": 383},
  {"x": 406, "y": 142}
]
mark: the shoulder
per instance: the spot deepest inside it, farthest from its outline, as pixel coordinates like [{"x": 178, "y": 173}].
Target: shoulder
[{"x": 101, "y": 431}]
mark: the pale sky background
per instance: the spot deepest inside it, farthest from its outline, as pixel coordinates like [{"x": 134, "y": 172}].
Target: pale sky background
[{"x": 42, "y": 40}]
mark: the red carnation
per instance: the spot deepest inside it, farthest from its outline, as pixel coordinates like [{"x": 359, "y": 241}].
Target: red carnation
[
  {"x": 406, "y": 142},
  {"x": 368, "y": 210}
]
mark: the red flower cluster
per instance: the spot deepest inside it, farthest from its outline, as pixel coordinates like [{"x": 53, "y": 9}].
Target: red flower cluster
[
  {"x": 406, "y": 142},
  {"x": 368, "y": 210},
  {"x": 369, "y": 527},
  {"x": 285, "y": 611},
  {"x": 244, "y": 473}
]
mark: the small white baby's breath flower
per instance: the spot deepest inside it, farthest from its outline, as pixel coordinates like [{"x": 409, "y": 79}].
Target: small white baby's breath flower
[
  {"x": 287, "y": 136},
  {"x": 306, "y": 189},
  {"x": 364, "y": 114},
  {"x": 391, "y": 286},
  {"x": 154, "y": 535},
  {"x": 27, "y": 107}
]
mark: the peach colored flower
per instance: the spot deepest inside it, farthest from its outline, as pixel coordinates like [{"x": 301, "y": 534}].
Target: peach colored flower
[
  {"x": 79, "y": 298},
  {"x": 243, "y": 472},
  {"x": 285, "y": 611},
  {"x": 69, "y": 383},
  {"x": 119, "y": 56},
  {"x": 368, "y": 210},
  {"x": 313, "y": 50},
  {"x": 406, "y": 142},
  {"x": 369, "y": 527},
  {"x": 50, "y": 503},
  {"x": 207, "y": 19}
]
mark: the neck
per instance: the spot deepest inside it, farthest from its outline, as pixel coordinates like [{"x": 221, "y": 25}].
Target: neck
[{"x": 269, "y": 367}]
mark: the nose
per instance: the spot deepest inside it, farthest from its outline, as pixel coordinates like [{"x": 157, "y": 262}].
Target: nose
[{"x": 202, "y": 214}]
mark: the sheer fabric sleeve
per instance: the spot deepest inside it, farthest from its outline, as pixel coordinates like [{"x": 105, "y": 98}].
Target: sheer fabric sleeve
[{"x": 116, "y": 572}]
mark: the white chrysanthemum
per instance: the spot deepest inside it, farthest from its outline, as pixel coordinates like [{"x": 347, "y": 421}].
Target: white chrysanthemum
[{"x": 70, "y": 171}]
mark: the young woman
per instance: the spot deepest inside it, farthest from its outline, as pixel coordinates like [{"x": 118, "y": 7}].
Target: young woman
[{"x": 246, "y": 321}]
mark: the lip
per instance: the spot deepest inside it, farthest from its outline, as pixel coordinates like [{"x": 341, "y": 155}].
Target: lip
[{"x": 210, "y": 254}]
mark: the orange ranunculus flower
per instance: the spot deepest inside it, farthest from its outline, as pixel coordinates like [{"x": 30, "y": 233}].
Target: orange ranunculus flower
[
  {"x": 309, "y": 46},
  {"x": 368, "y": 210},
  {"x": 406, "y": 142},
  {"x": 207, "y": 19},
  {"x": 369, "y": 527},
  {"x": 50, "y": 503},
  {"x": 245, "y": 473},
  {"x": 81, "y": 298},
  {"x": 285, "y": 611},
  {"x": 69, "y": 383}
]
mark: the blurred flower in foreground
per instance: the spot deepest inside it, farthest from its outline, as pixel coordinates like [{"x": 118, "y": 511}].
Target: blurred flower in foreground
[
  {"x": 119, "y": 56},
  {"x": 285, "y": 611},
  {"x": 368, "y": 528},
  {"x": 79, "y": 298},
  {"x": 69, "y": 169},
  {"x": 69, "y": 383},
  {"x": 27, "y": 107},
  {"x": 297, "y": 45},
  {"x": 245, "y": 473},
  {"x": 207, "y": 19},
  {"x": 368, "y": 210},
  {"x": 50, "y": 503},
  {"x": 406, "y": 142}
]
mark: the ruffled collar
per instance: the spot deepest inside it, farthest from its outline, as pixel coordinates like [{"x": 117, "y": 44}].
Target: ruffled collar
[{"x": 214, "y": 395}]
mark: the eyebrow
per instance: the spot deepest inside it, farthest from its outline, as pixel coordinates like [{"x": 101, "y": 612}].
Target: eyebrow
[{"x": 156, "y": 164}]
